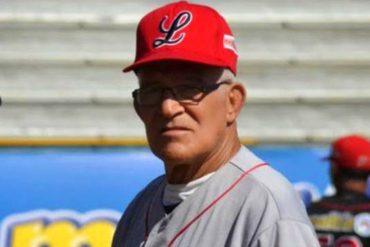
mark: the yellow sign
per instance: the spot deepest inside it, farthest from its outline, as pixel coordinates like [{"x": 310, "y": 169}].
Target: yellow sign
[{"x": 59, "y": 229}]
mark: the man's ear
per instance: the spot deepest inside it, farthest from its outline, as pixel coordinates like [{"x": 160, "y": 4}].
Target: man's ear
[{"x": 236, "y": 100}]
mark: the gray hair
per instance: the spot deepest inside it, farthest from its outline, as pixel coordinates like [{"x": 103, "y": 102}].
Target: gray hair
[{"x": 227, "y": 75}]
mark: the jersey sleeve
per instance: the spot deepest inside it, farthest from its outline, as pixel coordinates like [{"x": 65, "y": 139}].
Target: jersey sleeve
[{"x": 133, "y": 217}]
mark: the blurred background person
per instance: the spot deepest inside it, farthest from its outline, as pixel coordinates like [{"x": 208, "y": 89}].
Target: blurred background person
[{"x": 343, "y": 219}]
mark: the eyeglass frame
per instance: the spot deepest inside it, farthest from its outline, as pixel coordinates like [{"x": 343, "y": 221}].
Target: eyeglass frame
[{"x": 203, "y": 89}]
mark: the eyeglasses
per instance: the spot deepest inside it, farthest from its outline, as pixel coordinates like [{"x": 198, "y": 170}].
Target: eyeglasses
[{"x": 184, "y": 94}]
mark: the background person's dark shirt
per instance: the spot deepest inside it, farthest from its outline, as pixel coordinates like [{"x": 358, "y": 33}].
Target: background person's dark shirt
[{"x": 342, "y": 220}]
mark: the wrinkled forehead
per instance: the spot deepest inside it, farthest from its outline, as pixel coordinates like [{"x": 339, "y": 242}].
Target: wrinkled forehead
[{"x": 177, "y": 72}]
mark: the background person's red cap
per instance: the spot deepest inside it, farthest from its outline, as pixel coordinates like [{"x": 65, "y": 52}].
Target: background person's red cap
[
  {"x": 351, "y": 152},
  {"x": 187, "y": 32}
]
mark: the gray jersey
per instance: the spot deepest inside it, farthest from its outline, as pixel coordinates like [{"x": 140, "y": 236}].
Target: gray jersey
[{"x": 245, "y": 203}]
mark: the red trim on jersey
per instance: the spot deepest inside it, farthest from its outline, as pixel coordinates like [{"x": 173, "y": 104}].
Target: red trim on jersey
[
  {"x": 358, "y": 207},
  {"x": 186, "y": 227}
]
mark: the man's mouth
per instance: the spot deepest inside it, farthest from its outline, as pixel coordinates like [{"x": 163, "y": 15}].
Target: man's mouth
[{"x": 174, "y": 130}]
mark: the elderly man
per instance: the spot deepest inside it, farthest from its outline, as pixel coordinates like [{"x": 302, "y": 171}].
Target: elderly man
[{"x": 215, "y": 191}]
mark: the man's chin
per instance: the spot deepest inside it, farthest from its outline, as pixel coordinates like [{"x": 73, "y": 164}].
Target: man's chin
[{"x": 173, "y": 153}]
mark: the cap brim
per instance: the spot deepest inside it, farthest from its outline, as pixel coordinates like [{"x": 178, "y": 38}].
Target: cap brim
[{"x": 187, "y": 57}]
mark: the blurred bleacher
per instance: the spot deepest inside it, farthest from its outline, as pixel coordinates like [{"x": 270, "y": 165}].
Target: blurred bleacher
[{"x": 306, "y": 66}]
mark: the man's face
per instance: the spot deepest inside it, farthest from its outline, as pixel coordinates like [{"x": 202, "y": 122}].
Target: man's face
[{"x": 181, "y": 133}]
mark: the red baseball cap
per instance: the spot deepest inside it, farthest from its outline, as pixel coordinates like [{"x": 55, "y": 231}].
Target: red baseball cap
[
  {"x": 187, "y": 32},
  {"x": 351, "y": 152}
]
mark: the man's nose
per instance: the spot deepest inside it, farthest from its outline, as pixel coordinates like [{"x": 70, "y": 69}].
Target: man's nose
[{"x": 170, "y": 106}]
